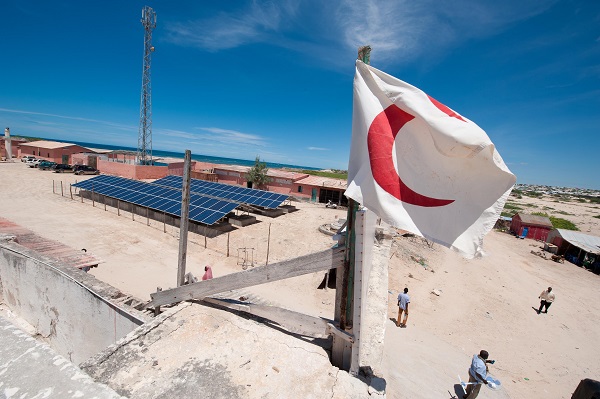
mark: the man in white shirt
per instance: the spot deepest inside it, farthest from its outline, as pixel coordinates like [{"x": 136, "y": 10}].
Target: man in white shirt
[
  {"x": 547, "y": 298},
  {"x": 403, "y": 301},
  {"x": 477, "y": 374}
]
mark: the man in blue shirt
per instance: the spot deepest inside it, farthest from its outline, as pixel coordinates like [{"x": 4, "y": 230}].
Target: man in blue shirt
[
  {"x": 477, "y": 374},
  {"x": 403, "y": 301}
]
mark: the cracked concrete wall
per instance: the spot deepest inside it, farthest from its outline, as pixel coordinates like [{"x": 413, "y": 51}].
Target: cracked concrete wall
[
  {"x": 193, "y": 350},
  {"x": 375, "y": 312},
  {"x": 74, "y": 321},
  {"x": 375, "y": 251}
]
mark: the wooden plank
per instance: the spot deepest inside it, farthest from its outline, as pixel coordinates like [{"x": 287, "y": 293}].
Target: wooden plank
[
  {"x": 297, "y": 323},
  {"x": 259, "y": 275}
]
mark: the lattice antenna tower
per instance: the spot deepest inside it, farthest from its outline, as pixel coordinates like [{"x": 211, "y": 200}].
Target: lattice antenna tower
[{"x": 144, "y": 150}]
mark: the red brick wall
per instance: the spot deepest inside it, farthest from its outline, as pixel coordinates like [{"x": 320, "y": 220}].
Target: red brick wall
[{"x": 132, "y": 171}]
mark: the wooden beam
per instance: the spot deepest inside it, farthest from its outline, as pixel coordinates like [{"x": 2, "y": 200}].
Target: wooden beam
[
  {"x": 294, "y": 322},
  {"x": 316, "y": 262}
]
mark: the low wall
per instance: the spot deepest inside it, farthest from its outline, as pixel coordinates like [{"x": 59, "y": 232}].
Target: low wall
[
  {"x": 131, "y": 171},
  {"x": 75, "y": 320}
]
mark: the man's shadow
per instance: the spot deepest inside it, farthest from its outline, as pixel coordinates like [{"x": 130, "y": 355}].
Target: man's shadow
[
  {"x": 393, "y": 319},
  {"x": 458, "y": 392},
  {"x": 536, "y": 309}
]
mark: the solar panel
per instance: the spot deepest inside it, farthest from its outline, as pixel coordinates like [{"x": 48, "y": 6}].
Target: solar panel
[
  {"x": 241, "y": 195},
  {"x": 202, "y": 209}
]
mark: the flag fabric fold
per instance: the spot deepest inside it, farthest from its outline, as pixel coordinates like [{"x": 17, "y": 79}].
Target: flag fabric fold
[{"x": 421, "y": 166}]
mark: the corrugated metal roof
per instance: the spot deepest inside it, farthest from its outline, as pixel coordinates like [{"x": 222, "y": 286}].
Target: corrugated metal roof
[
  {"x": 278, "y": 173},
  {"x": 99, "y": 150},
  {"x": 327, "y": 182},
  {"x": 535, "y": 220},
  {"x": 50, "y": 248},
  {"x": 285, "y": 174},
  {"x": 47, "y": 144},
  {"x": 584, "y": 241}
]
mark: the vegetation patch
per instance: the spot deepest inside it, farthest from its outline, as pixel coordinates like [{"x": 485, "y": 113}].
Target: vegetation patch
[
  {"x": 558, "y": 223},
  {"x": 335, "y": 174},
  {"x": 533, "y": 194},
  {"x": 597, "y": 216},
  {"x": 564, "y": 213}
]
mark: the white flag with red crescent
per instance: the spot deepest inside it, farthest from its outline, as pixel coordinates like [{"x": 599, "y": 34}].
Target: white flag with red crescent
[{"x": 422, "y": 167}]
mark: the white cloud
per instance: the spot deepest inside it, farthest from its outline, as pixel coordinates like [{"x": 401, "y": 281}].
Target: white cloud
[
  {"x": 230, "y": 137},
  {"x": 398, "y": 30},
  {"x": 317, "y": 149},
  {"x": 255, "y": 23},
  {"x": 405, "y": 29},
  {"x": 73, "y": 118}
]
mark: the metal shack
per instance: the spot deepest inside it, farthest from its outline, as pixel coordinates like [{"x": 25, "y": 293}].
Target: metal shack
[
  {"x": 578, "y": 248},
  {"x": 537, "y": 226}
]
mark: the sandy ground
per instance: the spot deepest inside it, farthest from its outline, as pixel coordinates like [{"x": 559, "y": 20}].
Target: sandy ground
[{"x": 482, "y": 304}]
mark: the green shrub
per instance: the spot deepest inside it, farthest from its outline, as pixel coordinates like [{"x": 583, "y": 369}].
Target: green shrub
[
  {"x": 512, "y": 206},
  {"x": 540, "y": 214}
]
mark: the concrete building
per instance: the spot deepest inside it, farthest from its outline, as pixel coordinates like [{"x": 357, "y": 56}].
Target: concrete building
[
  {"x": 299, "y": 185},
  {"x": 532, "y": 226},
  {"x": 52, "y": 150},
  {"x": 15, "y": 147}
]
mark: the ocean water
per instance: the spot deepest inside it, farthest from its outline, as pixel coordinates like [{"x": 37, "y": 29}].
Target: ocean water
[{"x": 195, "y": 157}]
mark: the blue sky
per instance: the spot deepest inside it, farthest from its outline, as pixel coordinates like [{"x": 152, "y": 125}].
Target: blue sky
[{"x": 274, "y": 78}]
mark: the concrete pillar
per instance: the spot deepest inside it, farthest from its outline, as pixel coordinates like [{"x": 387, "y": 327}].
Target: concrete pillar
[{"x": 8, "y": 145}]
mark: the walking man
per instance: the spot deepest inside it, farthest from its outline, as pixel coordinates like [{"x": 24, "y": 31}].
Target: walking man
[
  {"x": 477, "y": 374},
  {"x": 547, "y": 298},
  {"x": 403, "y": 301}
]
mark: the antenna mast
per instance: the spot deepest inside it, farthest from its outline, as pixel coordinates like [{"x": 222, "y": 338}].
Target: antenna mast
[{"x": 144, "y": 149}]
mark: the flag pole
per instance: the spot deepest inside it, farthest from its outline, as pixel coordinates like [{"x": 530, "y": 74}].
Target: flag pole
[{"x": 344, "y": 309}]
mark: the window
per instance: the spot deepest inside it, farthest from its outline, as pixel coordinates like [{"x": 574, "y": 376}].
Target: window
[
  {"x": 48, "y": 155},
  {"x": 299, "y": 189}
]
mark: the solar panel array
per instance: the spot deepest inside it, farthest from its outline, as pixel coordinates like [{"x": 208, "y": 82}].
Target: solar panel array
[
  {"x": 240, "y": 195},
  {"x": 203, "y": 209}
]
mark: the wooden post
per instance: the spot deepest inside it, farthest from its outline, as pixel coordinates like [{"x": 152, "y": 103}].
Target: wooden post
[
  {"x": 105, "y": 204},
  {"x": 132, "y": 213},
  {"x": 147, "y": 216},
  {"x": 204, "y": 237},
  {"x": 268, "y": 244},
  {"x": 185, "y": 211},
  {"x": 93, "y": 203},
  {"x": 61, "y": 189},
  {"x": 118, "y": 208},
  {"x": 53, "y": 191},
  {"x": 157, "y": 309},
  {"x": 228, "y": 244},
  {"x": 164, "y": 222},
  {"x": 71, "y": 190}
]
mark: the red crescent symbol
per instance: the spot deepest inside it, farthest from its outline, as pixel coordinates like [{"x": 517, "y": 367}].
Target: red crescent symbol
[
  {"x": 445, "y": 109},
  {"x": 380, "y": 141}
]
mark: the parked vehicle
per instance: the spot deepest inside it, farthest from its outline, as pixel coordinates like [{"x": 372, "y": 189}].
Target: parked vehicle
[
  {"x": 27, "y": 158},
  {"x": 33, "y": 163},
  {"x": 63, "y": 168},
  {"x": 46, "y": 165},
  {"x": 85, "y": 170}
]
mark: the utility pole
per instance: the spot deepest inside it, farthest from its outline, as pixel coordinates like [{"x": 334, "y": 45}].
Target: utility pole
[
  {"x": 144, "y": 150},
  {"x": 184, "y": 221}
]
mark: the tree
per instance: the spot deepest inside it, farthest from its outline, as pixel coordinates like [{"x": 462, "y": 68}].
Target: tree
[{"x": 258, "y": 174}]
